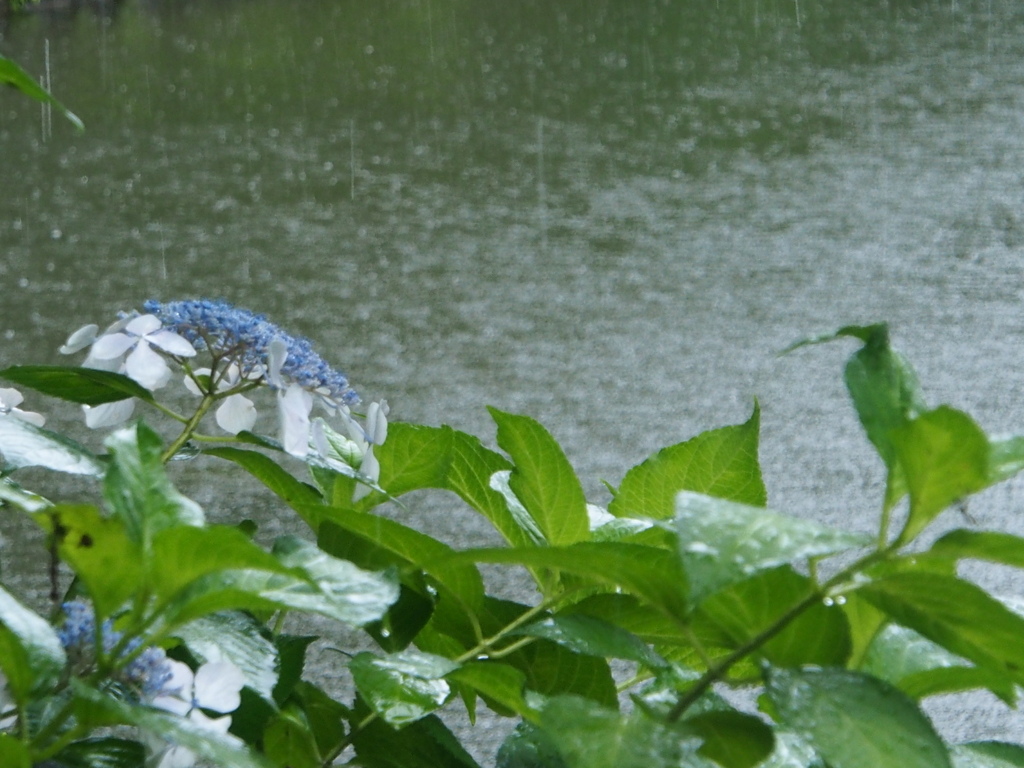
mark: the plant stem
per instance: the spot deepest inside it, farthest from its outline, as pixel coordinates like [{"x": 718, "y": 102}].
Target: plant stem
[
  {"x": 718, "y": 671},
  {"x": 524, "y": 617},
  {"x": 333, "y": 755},
  {"x": 509, "y": 649},
  {"x": 190, "y": 427}
]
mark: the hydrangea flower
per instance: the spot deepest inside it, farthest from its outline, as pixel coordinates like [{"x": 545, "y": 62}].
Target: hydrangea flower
[
  {"x": 261, "y": 349},
  {"x": 341, "y": 454},
  {"x": 9, "y": 399},
  {"x": 214, "y": 686},
  {"x": 148, "y": 672},
  {"x": 137, "y": 334}
]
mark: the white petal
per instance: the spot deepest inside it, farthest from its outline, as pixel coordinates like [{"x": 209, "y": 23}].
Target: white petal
[
  {"x": 218, "y": 685},
  {"x": 371, "y": 469},
  {"x": 214, "y": 724},
  {"x": 357, "y": 433},
  {"x": 80, "y": 339},
  {"x": 178, "y": 686},
  {"x": 114, "y": 364},
  {"x": 294, "y": 406},
  {"x": 29, "y": 416},
  {"x": 108, "y": 414},
  {"x": 10, "y": 398},
  {"x": 147, "y": 367},
  {"x": 377, "y": 422},
  {"x": 143, "y": 324},
  {"x": 276, "y": 356},
  {"x": 171, "y": 342},
  {"x": 236, "y": 414},
  {"x": 112, "y": 345}
]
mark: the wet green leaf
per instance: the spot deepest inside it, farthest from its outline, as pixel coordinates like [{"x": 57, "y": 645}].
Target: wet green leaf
[
  {"x": 993, "y": 546},
  {"x": 593, "y": 637},
  {"x": 86, "y": 386},
  {"x": 819, "y": 635},
  {"x": 854, "y": 720},
  {"x": 31, "y": 654},
  {"x": 732, "y": 739},
  {"x": 721, "y": 463},
  {"x": 138, "y": 490},
  {"x": 588, "y": 735},
  {"x": 102, "y": 752},
  {"x": 722, "y": 542},
  {"x": 236, "y": 637},
  {"x": 1006, "y": 458},
  {"x": 959, "y": 616},
  {"x": 944, "y": 456},
  {"x": 402, "y": 687},
  {"x": 529, "y": 747},
  {"x": 792, "y": 752},
  {"x": 26, "y": 445},
  {"x": 13, "y": 494},
  {"x": 543, "y": 479},
  {"x": 12, "y": 74},
  {"x": 414, "y": 457},
  {"x": 499, "y": 683}
]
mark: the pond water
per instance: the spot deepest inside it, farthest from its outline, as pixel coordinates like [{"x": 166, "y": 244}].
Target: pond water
[{"x": 608, "y": 215}]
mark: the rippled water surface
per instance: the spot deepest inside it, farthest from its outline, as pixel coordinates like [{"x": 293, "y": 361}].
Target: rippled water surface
[{"x": 610, "y": 215}]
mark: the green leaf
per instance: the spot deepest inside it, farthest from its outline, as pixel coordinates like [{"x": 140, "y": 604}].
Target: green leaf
[
  {"x": 86, "y": 386},
  {"x": 138, "y": 490},
  {"x": 993, "y": 546},
  {"x": 26, "y": 445},
  {"x": 543, "y": 479},
  {"x": 407, "y": 545},
  {"x": 588, "y": 735},
  {"x": 219, "y": 749},
  {"x": 529, "y": 747},
  {"x": 593, "y": 637},
  {"x": 291, "y": 649},
  {"x": 99, "y": 551},
  {"x": 413, "y": 457},
  {"x": 403, "y": 621},
  {"x": 13, "y": 494},
  {"x": 819, "y": 635},
  {"x": 945, "y": 457},
  {"x": 426, "y": 743},
  {"x": 324, "y": 715},
  {"x": 959, "y": 616},
  {"x": 198, "y": 552},
  {"x": 288, "y": 740},
  {"x": 236, "y": 637},
  {"x": 1006, "y": 458},
  {"x": 31, "y": 654},
  {"x": 12, "y": 74},
  {"x": 270, "y": 473},
  {"x": 102, "y": 752},
  {"x": 721, "y": 462},
  {"x": 13, "y": 754},
  {"x": 402, "y": 687},
  {"x": 648, "y": 572},
  {"x": 722, "y": 542},
  {"x": 499, "y": 684},
  {"x": 469, "y": 475},
  {"x": 854, "y": 720},
  {"x": 865, "y": 621},
  {"x": 732, "y": 739},
  {"x": 988, "y": 754}
]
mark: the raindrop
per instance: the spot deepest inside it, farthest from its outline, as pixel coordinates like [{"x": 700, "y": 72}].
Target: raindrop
[
  {"x": 385, "y": 633},
  {"x": 828, "y": 602},
  {"x": 841, "y": 600},
  {"x": 56, "y": 233}
]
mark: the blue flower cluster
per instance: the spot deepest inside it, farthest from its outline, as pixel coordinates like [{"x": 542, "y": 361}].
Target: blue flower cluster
[
  {"x": 244, "y": 337},
  {"x": 148, "y": 672}
]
